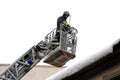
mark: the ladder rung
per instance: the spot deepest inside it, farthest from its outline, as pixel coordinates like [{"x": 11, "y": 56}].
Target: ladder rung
[
  {"x": 12, "y": 74},
  {"x": 23, "y": 63}
]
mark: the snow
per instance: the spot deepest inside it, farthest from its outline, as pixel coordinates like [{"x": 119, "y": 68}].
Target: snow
[{"x": 81, "y": 64}]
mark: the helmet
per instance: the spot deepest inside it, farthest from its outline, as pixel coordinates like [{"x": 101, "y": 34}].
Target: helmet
[{"x": 66, "y": 14}]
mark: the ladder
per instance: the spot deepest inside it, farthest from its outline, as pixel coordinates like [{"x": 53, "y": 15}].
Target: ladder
[{"x": 54, "y": 53}]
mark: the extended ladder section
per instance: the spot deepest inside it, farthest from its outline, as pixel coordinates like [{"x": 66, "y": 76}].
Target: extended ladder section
[{"x": 54, "y": 53}]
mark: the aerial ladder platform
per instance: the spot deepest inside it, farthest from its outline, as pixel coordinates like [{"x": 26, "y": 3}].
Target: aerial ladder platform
[{"x": 53, "y": 53}]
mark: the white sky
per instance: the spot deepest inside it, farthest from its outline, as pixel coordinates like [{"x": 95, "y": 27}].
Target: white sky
[{"x": 23, "y": 23}]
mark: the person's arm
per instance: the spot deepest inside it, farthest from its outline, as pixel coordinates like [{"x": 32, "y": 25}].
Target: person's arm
[{"x": 66, "y": 26}]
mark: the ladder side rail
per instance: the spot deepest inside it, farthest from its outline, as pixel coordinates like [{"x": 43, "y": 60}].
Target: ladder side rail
[{"x": 50, "y": 36}]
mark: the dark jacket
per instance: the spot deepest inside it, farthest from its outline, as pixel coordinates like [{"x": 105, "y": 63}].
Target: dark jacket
[{"x": 62, "y": 24}]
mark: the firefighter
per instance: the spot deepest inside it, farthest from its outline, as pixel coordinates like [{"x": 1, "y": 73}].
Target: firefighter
[{"x": 62, "y": 25}]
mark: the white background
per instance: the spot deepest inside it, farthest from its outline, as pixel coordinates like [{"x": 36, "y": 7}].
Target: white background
[{"x": 23, "y": 23}]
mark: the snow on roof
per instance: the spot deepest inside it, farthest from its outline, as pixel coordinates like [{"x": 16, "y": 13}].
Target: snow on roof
[{"x": 80, "y": 65}]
